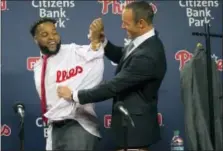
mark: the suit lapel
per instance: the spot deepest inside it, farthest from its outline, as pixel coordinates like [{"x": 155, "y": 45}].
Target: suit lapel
[{"x": 122, "y": 60}]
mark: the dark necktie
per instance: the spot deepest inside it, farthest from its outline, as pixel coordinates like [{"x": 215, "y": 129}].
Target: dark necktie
[{"x": 43, "y": 91}]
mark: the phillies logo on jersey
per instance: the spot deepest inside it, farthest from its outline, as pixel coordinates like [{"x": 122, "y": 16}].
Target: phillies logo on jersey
[
  {"x": 30, "y": 62},
  {"x": 3, "y": 5},
  {"x": 108, "y": 118},
  {"x": 5, "y": 130},
  {"x": 183, "y": 56},
  {"x": 63, "y": 75},
  {"x": 118, "y": 5}
]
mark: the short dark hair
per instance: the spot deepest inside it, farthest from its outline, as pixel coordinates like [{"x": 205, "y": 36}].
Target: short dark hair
[
  {"x": 141, "y": 10},
  {"x": 40, "y": 21}
]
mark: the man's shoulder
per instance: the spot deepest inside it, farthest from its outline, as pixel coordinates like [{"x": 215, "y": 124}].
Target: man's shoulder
[
  {"x": 152, "y": 42},
  {"x": 66, "y": 46},
  {"x": 71, "y": 46},
  {"x": 150, "y": 47}
]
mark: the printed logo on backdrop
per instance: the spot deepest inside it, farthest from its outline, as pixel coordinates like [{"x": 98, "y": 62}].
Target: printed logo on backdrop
[
  {"x": 3, "y": 5},
  {"x": 199, "y": 11},
  {"x": 183, "y": 56},
  {"x": 30, "y": 62},
  {"x": 39, "y": 123},
  {"x": 5, "y": 130},
  {"x": 116, "y": 6},
  {"x": 108, "y": 118},
  {"x": 55, "y": 9}
]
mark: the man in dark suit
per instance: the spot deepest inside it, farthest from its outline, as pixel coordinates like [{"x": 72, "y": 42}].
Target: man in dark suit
[{"x": 139, "y": 74}]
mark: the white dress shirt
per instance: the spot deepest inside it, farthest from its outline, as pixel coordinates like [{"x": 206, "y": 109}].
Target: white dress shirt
[
  {"x": 78, "y": 67},
  {"x": 137, "y": 41}
]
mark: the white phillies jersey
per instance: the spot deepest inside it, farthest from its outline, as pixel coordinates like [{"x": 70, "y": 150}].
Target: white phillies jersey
[{"x": 78, "y": 67}]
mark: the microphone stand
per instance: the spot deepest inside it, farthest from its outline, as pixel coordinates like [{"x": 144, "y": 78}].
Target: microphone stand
[
  {"x": 19, "y": 109},
  {"x": 125, "y": 122},
  {"x": 21, "y": 134}
]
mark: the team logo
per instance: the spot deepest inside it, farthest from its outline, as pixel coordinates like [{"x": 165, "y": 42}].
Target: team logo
[
  {"x": 5, "y": 130},
  {"x": 63, "y": 75},
  {"x": 160, "y": 119},
  {"x": 118, "y": 5},
  {"x": 108, "y": 118},
  {"x": 107, "y": 121},
  {"x": 30, "y": 62},
  {"x": 154, "y": 8},
  {"x": 3, "y": 5},
  {"x": 183, "y": 56}
]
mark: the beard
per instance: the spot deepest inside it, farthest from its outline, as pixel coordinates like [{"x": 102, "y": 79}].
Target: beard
[{"x": 44, "y": 50}]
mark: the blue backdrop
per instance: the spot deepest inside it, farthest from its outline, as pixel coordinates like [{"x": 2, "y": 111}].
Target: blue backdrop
[{"x": 174, "y": 20}]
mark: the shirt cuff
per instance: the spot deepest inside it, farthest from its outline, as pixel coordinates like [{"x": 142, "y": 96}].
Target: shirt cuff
[{"x": 75, "y": 96}]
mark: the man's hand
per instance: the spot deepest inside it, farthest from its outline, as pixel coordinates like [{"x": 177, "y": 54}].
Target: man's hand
[
  {"x": 64, "y": 92},
  {"x": 96, "y": 31}
]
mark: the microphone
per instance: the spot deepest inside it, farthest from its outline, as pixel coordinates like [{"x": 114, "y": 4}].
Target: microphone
[
  {"x": 120, "y": 106},
  {"x": 19, "y": 108}
]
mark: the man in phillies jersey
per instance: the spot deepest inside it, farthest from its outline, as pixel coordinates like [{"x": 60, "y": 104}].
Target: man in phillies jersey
[{"x": 71, "y": 126}]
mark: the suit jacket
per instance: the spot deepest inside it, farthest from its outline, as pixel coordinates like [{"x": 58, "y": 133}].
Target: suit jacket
[
  {"x": 194, "y": 93},
  {"x": 137, "y": 81}
]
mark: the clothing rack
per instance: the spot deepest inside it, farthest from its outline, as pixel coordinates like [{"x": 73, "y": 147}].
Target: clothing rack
[{"x": 207, "y": 36}]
